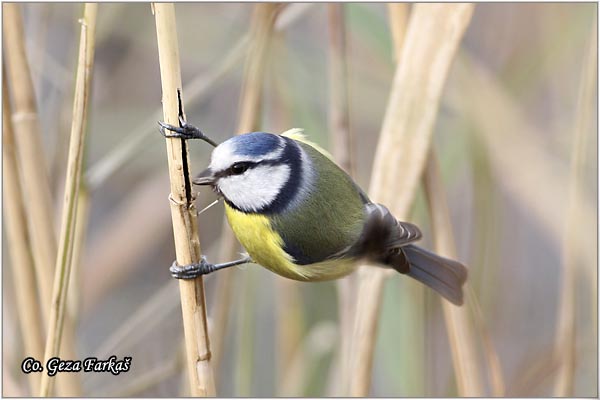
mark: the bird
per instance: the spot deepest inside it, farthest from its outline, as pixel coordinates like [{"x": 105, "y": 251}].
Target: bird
[{"x": 301, "y": 216}]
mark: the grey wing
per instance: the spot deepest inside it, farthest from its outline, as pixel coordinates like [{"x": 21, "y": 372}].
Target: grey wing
[{"x": 381, "y": 233}]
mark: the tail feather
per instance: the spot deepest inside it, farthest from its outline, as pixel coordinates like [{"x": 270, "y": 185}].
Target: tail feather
[{"x": 443, "y": 275}]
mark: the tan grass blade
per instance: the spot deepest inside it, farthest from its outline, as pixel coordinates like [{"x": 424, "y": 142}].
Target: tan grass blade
[
  {"x": 79, "y": 238},
  {"x": 34, "y": 180},
  {"x": 18, "y": 243},
  {"x": 462, "y": 338},
  {"x": 74, "y": 168},
  {"x": 433, "y": 35},
  {"x": 31, "y": 158},
  {"x": 565, "y": 341},
  {"x": 398, "y": 14},
  {"x": 183, "y": 209}
]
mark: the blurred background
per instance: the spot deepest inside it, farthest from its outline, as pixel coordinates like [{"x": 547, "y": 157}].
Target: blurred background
[{"x": 509, "y": 119}]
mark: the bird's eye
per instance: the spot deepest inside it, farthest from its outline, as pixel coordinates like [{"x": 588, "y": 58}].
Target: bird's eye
[{"x": 239, "y": 168}]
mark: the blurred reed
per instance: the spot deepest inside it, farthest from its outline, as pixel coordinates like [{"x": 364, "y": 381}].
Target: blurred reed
[
  {"x": 30, "y": 155},
  {"x": 566, "y": 339},
  {"x": 400, "y": 160},
  {"x": 34, "y": 180},
  {"x": 461, "y": 335},
  {"x": 23, "y": 273},
  {"x": 183, "y": 209},
  {"x": 74, "y": 171},
  {"x": 474, "y": 92}
]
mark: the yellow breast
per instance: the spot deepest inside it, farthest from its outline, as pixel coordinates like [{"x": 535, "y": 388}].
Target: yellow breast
[{"x": 265, "y": 246}]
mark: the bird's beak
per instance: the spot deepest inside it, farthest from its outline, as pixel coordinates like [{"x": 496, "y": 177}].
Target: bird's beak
[{"x": 205, "y": 177}]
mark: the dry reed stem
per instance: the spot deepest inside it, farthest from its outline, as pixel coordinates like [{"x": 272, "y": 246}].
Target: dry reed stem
[
  {"x": 74, "y": 168},
  {"x": 398, "y": 16},
  {"x": 261, "y": 29},
  {"x": 31, "y": 158},
  {"x": 480, "y": 92},
  {"x": 432, "y": 37},
  {"x": 183, "y": 209},
  {"x": 28, "y": 308},
  {"x": 495, "y": 374},
  {"x": 342, "y": 151},
  {"x": 467, "y": 369},
  {"x": 34, "y": 180},
  {"x": 565, "y": 341},
  {"x": 79, "y": 236}
]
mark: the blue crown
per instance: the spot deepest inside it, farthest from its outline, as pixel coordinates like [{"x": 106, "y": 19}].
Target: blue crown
[{"x": 256, "y": 144}]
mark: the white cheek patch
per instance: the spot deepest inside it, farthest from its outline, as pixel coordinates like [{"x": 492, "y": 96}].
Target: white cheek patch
[{"x": 256, "y": 188}]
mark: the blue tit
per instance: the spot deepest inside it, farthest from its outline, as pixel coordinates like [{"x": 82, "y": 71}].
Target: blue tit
[{"x": 301, "y": 216}]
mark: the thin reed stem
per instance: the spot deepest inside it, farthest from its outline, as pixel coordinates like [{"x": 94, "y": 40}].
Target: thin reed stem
[
  {"x": 565, "y": 341},
  {"x": 398, "y": 14},
  {"x": 183, "y": 209},
  {"x": 74, "y": 168},
  {"x": 30, "y": 156},
  {"x": 23, "y": 272},
  {"x": 467, "y": 369},
  {"x": 433, "y": 35}
]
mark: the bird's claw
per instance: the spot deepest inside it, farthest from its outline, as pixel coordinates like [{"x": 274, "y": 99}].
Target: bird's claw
[
  {"x": 191, "y": 271},
  {"x": 184, "y": 131}
]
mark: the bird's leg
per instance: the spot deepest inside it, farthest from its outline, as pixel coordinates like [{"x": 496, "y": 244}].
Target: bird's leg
[
  {"x": 192, "y": 271},
  {"x": 186, "y": 131}
]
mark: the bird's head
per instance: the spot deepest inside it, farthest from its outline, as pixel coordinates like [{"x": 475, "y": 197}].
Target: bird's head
[{"x": 254, "y": 172}]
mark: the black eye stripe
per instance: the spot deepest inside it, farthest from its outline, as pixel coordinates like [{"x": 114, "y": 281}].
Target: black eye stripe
[{"x": 247, "y": 165}]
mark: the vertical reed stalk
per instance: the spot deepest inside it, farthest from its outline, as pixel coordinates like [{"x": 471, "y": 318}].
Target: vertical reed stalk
[
  {"x": 432, "y": 37},
  {"x": 467, "y": 369},
  {"x": 565, "y": 341},
  {"x": 183, "y": 209},
  {"x": 74, "y": 168},
  {"x": 30, "y": 156},
  {"x": 23, "y": 271},
  {"x": 398, "y": 14},
  {"x": 342, "y": 150},
  {"x": 82, "y": 218},
  {"x": 261, "y": 29},
  {"x": 34, "y": 179}
]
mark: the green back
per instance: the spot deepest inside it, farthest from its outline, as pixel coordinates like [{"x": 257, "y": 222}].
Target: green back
[{"x": 328, "y": 220}]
